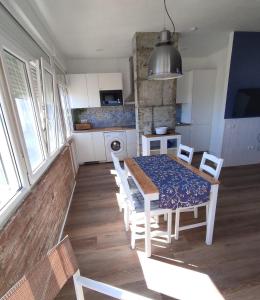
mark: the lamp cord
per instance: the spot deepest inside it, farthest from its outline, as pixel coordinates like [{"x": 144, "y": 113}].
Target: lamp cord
[{"x": 169, "y": 15}]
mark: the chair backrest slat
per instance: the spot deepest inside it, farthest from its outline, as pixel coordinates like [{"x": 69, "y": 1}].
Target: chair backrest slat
[
  {"x": 185, "y": 153},
  {"x": 217, "y": 162},
  {"x": 116, "y": 163}
]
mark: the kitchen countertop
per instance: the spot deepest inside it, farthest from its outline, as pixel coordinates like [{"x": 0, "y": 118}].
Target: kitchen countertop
[
  {"x": 169, "y": 132},
  {"x": 105, "y": 129},
  {"x": 183, "y": 124}
]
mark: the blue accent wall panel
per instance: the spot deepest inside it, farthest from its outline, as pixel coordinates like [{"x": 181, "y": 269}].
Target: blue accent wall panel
[{"x": 244, "y": 67}]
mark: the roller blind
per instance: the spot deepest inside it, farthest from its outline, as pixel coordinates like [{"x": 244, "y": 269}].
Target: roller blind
[{"x": 11, "y": 29}]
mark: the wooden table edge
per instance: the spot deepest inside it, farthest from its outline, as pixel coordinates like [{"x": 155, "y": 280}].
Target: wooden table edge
[{"x": 145, "y": 183}]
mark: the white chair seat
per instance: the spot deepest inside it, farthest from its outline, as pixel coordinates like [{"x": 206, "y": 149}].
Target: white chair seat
[
  {"x": 213, "y": 170},
  {"x": 133, "y": 187},
  {"x": 139, "y": 203}
]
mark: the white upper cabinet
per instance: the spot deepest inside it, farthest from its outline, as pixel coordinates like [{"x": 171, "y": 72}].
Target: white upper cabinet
[
  {"x": 110, "y": 81},
  {"x": 196, "y": 93},
  {"x": 93, "y": 90},
  {"x": 184, "y": 88},
  {"x": 84, "y": 88},
  {"x": 203, "y": 95},
  {"x": 78, "y": 93}
]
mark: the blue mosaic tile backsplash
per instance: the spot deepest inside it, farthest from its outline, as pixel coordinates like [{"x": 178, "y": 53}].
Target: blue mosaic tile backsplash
[{"x": 114, "y": 116}]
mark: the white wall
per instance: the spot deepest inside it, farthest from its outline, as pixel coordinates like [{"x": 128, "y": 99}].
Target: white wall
[
  {"x": 102, "y": 65},
  {"x": 241, "y": 142},
  {"x": 219, "y": 60}
]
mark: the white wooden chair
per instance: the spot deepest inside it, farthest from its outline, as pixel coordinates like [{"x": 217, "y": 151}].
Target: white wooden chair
[
  {"x": 118, "y": 169},
  {"x": 51, "y": 273},
  {"x": 117, "y": 166},
  {"x": 185, "y": 153},
  {"x": 213, "y": 169},
  {"x": 134, "y": 212}
]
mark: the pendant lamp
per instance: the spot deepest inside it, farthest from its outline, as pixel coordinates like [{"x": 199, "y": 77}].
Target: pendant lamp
[{"x": 165, "y": 62}]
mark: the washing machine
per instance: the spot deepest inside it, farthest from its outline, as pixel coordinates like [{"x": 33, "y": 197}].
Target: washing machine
[{"x": 116, "y": 142}]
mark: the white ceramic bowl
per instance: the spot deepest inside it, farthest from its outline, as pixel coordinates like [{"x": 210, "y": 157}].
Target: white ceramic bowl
[{"x": 161, "y": 130}]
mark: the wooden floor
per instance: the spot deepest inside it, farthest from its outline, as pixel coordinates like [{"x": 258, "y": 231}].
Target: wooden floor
[{"x": 232, "y": 263}]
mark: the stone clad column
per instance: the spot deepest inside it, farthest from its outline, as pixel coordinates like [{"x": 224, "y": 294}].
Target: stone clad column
[{"x": 155, "y": 100}]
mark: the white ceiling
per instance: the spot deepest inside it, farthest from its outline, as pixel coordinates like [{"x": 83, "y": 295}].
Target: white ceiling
[{"x": 83, "y": 27}]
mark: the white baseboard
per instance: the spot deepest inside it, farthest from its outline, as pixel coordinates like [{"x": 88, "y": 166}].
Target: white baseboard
[{"x": 66, "y": 215}]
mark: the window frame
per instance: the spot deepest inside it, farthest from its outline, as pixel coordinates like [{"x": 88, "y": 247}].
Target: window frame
[
  {"x": 65, "y": 91},
  {"x": 33, "y": 176},
  {"x": 47, "y": 67},
  {"x": 12, "y": 124},
  {"x": 13, "y": 136}
]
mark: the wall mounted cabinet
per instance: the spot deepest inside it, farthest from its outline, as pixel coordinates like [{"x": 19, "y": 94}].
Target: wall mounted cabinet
[
  {"x": 84, "y": 88},
  {"x": 184, "y": 88},
  {"x": 78, "y": 93},
  {"x": 196, "y": 93},
  {"x": 110, "y": 81}
]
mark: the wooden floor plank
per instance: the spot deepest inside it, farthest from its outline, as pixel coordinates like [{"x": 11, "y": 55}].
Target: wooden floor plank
[{"x": 232, "y": 263}]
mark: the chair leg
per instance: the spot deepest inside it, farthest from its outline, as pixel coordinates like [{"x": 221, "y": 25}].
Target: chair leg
[
  {"x": 169, "y": 228},
  {"x": 157, "y": 219},
  {"x": 207, "y": 211},
  {"x": 122, "y": 196},
  {"x": 133, "y": 233},
  {"x": 165, "y": 217},
  {"x": 126, "y": 218},
  {"x": 177, "y": 224},
  {"x": 196, "y": 212}
]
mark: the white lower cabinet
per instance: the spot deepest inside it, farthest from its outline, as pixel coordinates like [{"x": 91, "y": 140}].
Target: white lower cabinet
[
  {"x": 90, "y": 146},
  {"x": 99, "y": 146},
  {"x": 185, "y": 134},
  {"x": 131, "y": 138},
  {"x": 84, "y": 146},
  {"x": 195, "y": 136},
  {"x": 200, "y": 137}
]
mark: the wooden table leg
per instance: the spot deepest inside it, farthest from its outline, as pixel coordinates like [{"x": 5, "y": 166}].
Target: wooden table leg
[
  {"x": 147, "y": 212},
  {"x": 211, "y": 213}
]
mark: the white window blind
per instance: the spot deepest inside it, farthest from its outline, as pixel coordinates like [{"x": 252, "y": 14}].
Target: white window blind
[
  {"x": 65, "y": 109},
  {"x": 17, "y": 78},
  {"x": 10, "y": 28},
  {"x": 50, "y": 111},
  {"x": 36, "y": 87}
]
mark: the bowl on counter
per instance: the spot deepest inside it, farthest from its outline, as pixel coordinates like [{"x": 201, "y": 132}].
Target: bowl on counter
[{"x": 161, "y": 130}]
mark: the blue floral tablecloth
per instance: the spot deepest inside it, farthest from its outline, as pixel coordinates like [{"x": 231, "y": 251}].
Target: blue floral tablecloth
[{"x": 177, "y": 185}]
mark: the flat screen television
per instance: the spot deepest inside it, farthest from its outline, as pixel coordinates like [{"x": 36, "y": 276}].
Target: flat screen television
[{"x": 247, "y": 103}]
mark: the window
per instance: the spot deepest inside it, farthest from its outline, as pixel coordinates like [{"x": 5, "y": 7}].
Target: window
[
  {"x": 50, "y": 111},
  {"x": 17, "y": 78},
  {"x": 36, "y": 87},
  {"x": 65, "y": 109},
  {"x": 61, "y": 139},
  {"x": 10, "y": 182}
]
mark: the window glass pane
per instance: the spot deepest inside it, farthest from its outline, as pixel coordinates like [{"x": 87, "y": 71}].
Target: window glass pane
[
  {"x": 65, "y": 110},
  {"x": 50, "y": 111},
  {"x": 34, "y": 71},
  {"x": 60, "y": 123},
  {"x": 20, "y": 91},
  {"x": 10, "y": 182}
]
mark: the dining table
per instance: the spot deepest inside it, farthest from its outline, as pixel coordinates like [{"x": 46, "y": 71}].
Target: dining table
[{"x": 156, "y": 175}]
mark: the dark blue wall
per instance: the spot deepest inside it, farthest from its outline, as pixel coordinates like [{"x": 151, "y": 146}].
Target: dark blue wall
[{"x": 245, "y": 66}]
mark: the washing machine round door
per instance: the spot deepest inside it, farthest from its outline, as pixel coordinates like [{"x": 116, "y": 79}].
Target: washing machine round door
[{"x": 116, "y": 145}]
